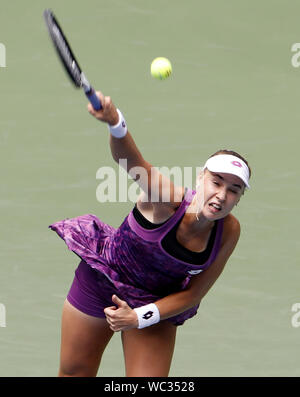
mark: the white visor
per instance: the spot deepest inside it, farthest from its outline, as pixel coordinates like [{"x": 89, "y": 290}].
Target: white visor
[{"x": 229, "y": 165}]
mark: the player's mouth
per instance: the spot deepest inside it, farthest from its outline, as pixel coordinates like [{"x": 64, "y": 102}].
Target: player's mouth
[{"x": 215, "y": 208}]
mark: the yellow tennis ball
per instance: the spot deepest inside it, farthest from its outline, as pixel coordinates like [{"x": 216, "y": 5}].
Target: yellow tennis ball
[{"x": 161, "y": 68}]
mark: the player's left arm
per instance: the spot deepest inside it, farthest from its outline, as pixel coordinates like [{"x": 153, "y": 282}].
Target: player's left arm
[
  {"x": 200, "y": 284},
  {"x": 123, "y": 317}
]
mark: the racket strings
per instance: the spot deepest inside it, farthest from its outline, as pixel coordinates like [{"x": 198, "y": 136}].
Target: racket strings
[
  {"x": 67, "y": 56},
  {"x": 64, "y": 51}
]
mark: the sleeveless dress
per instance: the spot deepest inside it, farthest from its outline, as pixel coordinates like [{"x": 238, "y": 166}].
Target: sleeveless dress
[{"x": 130, "y": 260}]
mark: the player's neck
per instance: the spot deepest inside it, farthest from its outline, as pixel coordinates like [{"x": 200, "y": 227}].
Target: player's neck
[{"x": 197, "y": 222}]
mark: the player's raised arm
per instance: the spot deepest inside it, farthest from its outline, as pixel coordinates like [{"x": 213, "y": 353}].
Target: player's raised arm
[{"x": 157, "y": 187}]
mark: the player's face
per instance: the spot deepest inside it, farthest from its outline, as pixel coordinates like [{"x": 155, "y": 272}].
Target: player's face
[{"x": 221, "y": 193}]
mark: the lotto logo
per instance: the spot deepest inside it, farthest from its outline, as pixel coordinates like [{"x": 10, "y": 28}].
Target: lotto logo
[
  {"x": 236, "y": 163},
  {"x": 192, "y": 272},
  {"x": 148, "y": 315}
]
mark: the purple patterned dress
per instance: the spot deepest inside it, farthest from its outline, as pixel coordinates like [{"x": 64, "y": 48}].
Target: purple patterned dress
[{"x": 131, "y": 260}]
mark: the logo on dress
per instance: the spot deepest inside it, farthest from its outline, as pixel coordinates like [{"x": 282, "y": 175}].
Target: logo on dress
[
  {"x": 193, "y": 272},
  {"x": 148, "y": 315},
  {"x": 237, "y": 164}
]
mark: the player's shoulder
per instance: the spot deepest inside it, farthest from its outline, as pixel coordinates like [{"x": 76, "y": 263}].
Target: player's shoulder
[
  {"x": 174, "y": 198},
  {"x": 231, "y": 230},
  {"x": 232, "y": 223}
]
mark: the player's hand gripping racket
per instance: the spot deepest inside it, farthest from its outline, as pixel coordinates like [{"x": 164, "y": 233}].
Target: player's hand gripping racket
[{"x": 68, "y": 59}]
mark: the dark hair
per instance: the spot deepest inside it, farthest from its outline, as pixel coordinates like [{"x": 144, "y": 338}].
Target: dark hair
[{"x": 225, "y": 151}]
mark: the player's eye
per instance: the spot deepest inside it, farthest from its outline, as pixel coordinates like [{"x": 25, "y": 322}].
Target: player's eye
[{"x": 216, "y": 183}]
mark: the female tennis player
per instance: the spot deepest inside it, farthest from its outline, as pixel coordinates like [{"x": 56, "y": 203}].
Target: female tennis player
[{"x": 149, "y": 275}]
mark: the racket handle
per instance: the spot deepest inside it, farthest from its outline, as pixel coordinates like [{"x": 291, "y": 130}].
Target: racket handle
[{"x": 92, "y": 97}]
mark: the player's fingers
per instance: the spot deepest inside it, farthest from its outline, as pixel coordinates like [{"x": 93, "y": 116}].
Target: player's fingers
[
  {"x": 107, "y": 105},
  {"x": 108, "y": 113},
  {"x": 100, "y": 97},
  {"x": 110, "y": 311},
  {"x": 118, "y": 301},
  {"x": 91, "y": 109},
  {"x": 114, "y": 328},
  {"x": 111, "y": 308},
  {"x": 97, "y": 113},
  {"x": 108, "y": 102},
  {"x": 109, "y": 322}
]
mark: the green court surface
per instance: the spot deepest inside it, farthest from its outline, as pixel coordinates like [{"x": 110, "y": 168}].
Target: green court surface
[{"x": 233, "y": 86}]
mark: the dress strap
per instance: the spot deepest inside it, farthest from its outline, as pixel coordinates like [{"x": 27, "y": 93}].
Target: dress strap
[{"x": 188, "y": 197}]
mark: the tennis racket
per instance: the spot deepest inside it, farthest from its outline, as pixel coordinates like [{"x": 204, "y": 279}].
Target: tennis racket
[{"x": 68, "y": 59}]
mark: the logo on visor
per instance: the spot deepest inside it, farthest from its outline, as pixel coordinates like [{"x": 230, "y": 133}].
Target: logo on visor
[{"x": 237, "y": 164}]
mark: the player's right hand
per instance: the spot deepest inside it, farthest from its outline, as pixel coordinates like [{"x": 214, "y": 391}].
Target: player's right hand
[{"x": 108, "y": 113}]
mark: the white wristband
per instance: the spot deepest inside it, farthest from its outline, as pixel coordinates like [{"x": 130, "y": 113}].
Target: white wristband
[
  {"x": 147, "y": 315},
  {"x": 120, "y": 129}
]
